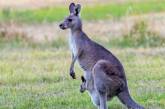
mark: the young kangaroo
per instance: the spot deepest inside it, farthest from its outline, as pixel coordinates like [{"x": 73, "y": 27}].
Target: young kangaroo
[
  {"x": 103, "y": 73},
  {"x": 83, "y": 86}
]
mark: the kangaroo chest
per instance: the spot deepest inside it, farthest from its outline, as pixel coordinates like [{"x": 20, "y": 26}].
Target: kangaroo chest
[
  {"x": 72, "y": 45},
  {"x": 79, "y": 44}
]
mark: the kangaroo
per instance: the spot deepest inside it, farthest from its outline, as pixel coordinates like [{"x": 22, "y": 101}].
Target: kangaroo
[
  {"x": 83, "y": 86},
  {"x": 104, "y": 74}
]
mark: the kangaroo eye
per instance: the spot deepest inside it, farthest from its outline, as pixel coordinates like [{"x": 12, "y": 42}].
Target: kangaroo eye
[{"x": 70, "y": 20}]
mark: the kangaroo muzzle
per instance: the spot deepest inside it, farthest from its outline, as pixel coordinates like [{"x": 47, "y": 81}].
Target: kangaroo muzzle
[{"x": 63, "y": 26}]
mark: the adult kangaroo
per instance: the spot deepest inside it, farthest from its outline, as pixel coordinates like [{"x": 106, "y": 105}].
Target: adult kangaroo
[{"x": 103, "y": 72}]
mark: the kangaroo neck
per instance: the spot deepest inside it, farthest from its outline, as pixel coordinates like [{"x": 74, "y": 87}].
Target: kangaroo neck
[
  {"x": 76, "y": 32},
  {"x": 79, "y": 34}
]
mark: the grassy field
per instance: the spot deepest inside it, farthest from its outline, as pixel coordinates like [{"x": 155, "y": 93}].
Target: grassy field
[
  {"x": 95, "y": 12},
  {"x": 37, "y": 78},
  {"x": 36, "y": 75}
]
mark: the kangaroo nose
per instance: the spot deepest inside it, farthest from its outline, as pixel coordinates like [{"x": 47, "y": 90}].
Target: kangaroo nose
[{"x": 60, "y": 25}]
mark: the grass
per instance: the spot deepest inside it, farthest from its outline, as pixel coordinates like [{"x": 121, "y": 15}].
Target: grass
[
  {"x": 22, "y": 41},
  {"x": 139, "y": 36},
  {"x": 33, "y": 78},
  {"x": 96, "y": 12}
]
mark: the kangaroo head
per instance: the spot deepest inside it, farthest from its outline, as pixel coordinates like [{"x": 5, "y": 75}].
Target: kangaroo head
[
  {"x": 73, "y": 21},
  {"x": 83, "y": 85}
]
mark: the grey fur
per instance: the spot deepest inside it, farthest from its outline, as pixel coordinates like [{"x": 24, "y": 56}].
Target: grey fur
[{"x": 103, "y": 72}]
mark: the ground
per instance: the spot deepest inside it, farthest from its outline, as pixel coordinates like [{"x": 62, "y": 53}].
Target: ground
[
  {"x": 39, "y": 78},
  {"x": 35, "y": 58}
]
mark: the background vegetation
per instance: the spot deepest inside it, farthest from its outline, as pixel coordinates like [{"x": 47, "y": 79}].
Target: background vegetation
[
  {"x": 34, "y": 73},
  {"x": 94, "y": 12}
]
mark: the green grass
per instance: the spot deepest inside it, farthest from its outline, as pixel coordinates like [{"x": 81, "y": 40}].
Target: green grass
[
  {"x": 36, "y": 78},
  {"x": 23, "y": 42},
  {"x": 95, "y": 12}
]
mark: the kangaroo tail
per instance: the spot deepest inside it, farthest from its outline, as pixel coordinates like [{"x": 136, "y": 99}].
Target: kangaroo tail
[{"x": 126, "y": 99}]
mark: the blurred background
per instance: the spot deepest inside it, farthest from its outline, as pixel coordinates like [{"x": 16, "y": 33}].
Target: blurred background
[{"x": 35, "y": 57}]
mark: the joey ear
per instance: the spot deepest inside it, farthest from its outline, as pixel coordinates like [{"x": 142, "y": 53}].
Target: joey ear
[
  {"x": 72, "y": 8},
  {"x": 83, "y": 79},
  {"x": 77, "y": 9}
]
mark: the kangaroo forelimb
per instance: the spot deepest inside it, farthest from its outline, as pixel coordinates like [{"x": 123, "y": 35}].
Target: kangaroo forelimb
[
  {"x": 72, "y": 73},
  {"x": 74, "y": 58}
]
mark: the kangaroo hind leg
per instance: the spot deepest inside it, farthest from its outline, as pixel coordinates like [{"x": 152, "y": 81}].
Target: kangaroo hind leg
[
  {"x": 107, "y": 81},
  {"x": 99, "y": 83}
]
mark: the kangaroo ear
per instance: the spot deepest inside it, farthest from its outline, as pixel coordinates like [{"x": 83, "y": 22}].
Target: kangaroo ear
[
  {"x": 77, "y": 9},
  {"x": 83, "y": 79},
  {"x": 72, "y": 8}
]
